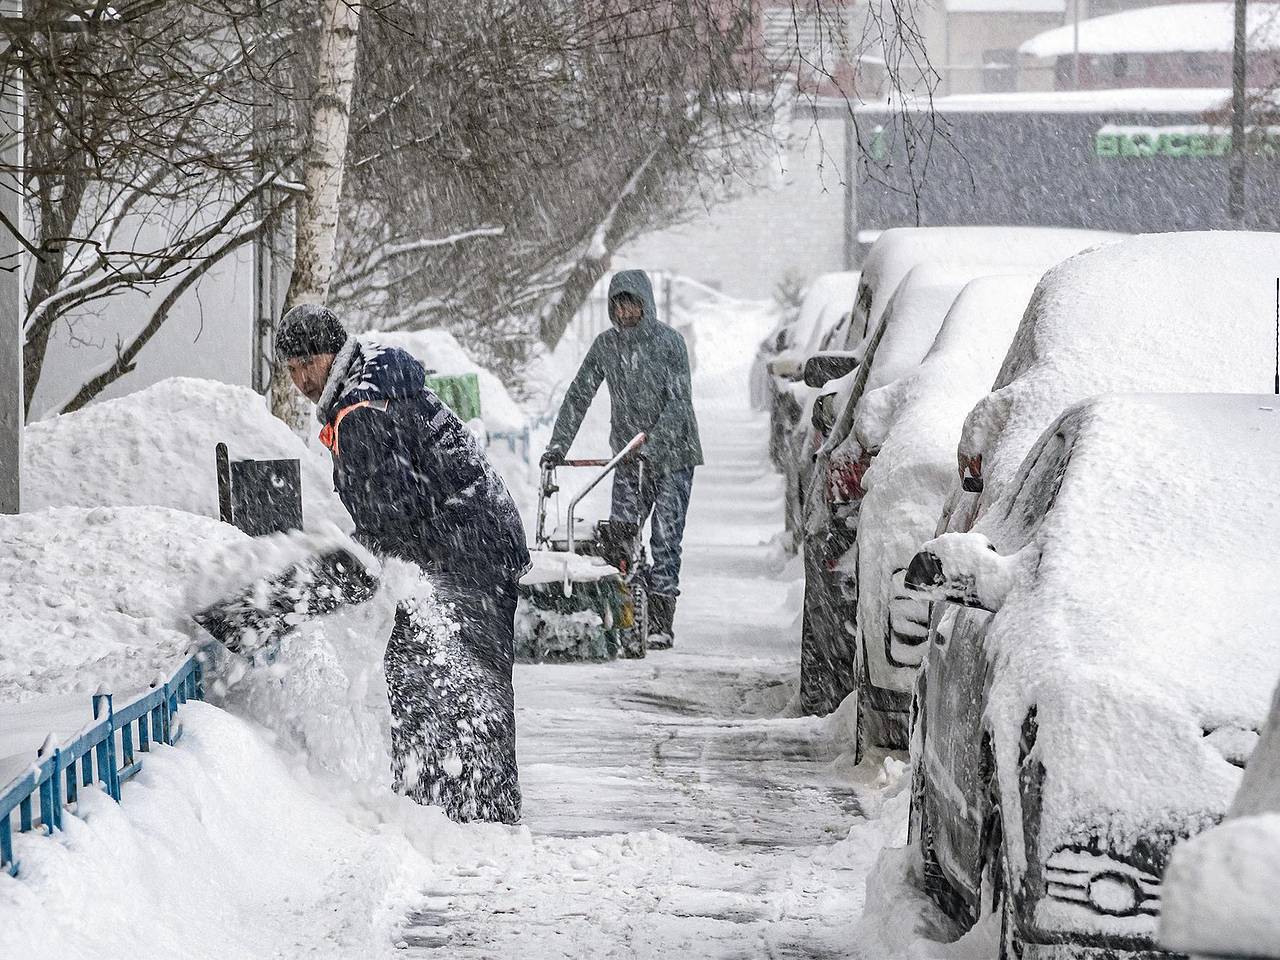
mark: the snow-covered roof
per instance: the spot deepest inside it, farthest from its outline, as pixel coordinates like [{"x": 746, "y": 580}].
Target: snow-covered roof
[
  {"x": 1135, "y": 100},
  {"x": 1158, "y": 312},
  {"x": 1174, "y": 28},
  {"x": 1005, "y": 6},
  {"x": 913, "y": 423},
  {"x": 1141, "y": 624}
]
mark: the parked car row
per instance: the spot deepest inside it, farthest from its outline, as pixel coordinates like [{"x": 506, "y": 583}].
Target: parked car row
[{"x": 1039, "y": 542}]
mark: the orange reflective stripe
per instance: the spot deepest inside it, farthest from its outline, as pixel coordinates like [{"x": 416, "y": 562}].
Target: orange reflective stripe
[{"x": 329, "y": 433}]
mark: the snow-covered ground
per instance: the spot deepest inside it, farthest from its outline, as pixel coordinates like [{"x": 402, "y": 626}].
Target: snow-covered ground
[{"x": 673, "y": 805}]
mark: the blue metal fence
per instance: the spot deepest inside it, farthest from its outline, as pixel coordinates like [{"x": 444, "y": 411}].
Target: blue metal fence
[{"x": 106, "y": 751}]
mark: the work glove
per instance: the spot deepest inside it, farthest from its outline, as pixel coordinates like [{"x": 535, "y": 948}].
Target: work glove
[{"x": 553, "y": 457}]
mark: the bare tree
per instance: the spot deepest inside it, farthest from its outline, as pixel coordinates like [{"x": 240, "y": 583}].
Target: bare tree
[{"x": 139, "y": 168}]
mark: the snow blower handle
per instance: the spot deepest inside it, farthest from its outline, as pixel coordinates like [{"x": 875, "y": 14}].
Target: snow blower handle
[{"x": 609, "y": 466}]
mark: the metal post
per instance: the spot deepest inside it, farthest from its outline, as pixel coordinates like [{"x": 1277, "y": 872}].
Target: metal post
[
  {"x": 1235, "y": 198},
  {"x": 1075, "y": 43},
  {"x": 12, "y": 401},
  {"x": 850, "y": 168}
]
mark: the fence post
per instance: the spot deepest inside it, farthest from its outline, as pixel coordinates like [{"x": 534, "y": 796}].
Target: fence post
[{"x": 108, "y": 769}]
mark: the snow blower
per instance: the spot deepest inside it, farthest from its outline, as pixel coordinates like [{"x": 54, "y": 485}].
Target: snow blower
[{"x": 585, "y": 597}]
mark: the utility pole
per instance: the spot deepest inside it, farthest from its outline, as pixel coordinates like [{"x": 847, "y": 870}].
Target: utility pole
[
  {"x": 1235, "y": 193},
  {"x": 1075, "y": 44},
  {"x": 11, "y": 338}
]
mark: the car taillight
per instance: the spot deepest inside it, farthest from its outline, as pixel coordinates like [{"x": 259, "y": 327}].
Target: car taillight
[{"x": 844, "y": 480}]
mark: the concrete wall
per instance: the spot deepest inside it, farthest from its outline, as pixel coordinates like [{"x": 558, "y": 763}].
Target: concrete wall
[{"x": 789, "y": 219}]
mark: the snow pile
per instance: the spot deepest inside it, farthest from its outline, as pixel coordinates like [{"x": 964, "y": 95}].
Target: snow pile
[
  {"x": 156, "y": 448},
  {"x": 912, "y": 426},
  {"x": 98, "y": 597},
  {"x": 224, "y": 848},
  {"x": 1173, "y": 28},
  {"x": 1158, "y": 312},
  {"x": 440, "y": 352},
  {"x": 1219, "y": 891},
  {"x": 1165, "y": 498}
]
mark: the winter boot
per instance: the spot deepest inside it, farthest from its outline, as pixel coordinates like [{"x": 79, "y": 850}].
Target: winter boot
[{"x": 662, "y": 614}]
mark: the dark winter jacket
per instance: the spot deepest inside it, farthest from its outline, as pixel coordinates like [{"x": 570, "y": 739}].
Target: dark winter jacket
[
  {"x": 647, "y": 369},
  {"x": 411, "y": 475}
]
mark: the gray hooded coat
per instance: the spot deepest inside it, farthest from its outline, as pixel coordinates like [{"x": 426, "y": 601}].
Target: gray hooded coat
[{"x": 647, "y": 369}]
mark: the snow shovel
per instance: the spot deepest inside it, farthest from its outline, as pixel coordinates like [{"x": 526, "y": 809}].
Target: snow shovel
[
  {"x": 587, "y": 614},
  {"x": 259, "y": 617}
]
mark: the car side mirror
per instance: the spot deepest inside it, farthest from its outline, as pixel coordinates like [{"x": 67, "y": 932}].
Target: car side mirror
[
  {"x": 961, "y": 568},
  {"x": 824, "y": 413},
  {"x": 786, "y": 368},
  {"x": 822, "y": 368}
]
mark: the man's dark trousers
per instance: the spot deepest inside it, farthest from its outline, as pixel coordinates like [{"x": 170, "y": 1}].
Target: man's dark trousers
[{"x": 666, "y": 497}]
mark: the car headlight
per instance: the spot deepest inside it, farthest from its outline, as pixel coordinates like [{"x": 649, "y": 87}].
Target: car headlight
[{"x": 1105, "y": 885}]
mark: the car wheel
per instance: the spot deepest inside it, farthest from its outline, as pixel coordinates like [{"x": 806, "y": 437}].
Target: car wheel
[{"x": 994, "y": 895}]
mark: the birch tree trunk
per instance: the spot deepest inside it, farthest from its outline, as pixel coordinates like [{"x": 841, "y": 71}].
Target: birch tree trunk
[{"x": 316, "y": 227}]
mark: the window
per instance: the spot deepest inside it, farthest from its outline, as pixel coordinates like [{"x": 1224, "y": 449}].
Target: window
[{"x": 999, "y": 70}]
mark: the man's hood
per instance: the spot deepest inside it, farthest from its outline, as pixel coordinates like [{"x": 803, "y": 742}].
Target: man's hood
[
  {"x": 369, "y": 371},
  {"x": 636, "y": 283}
]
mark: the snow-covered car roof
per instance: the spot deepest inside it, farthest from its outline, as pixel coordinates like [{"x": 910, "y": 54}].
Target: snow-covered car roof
[
  {"x": 1220, "y": 888},
  {"x": 1157, "y": 312},
  {"x": 1172, "y": 28},
  {"x": 903, "y": 334},
  {"x": 978, "y": 250},
  {"x": 829, "y": 296},
  {"x": 913, "y": 423},
  {"x": 1139, "y": 541}
]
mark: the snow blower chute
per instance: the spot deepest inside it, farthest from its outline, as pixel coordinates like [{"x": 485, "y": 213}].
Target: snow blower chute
[{"x": 585, "y": 598}]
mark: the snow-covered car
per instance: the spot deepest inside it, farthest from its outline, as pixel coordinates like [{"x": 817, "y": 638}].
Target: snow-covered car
[
  {"x": 1221, "y": 888},
  {"x": 909, "y": 429},
  {"x": 1100, "y": 657},
  {"x": 829, "y": 668},
  {"x": 903, "y": 334},
  {"x": 1180, "y": 312},
  {"x": 825, "y": 303},
  {"x": 972, "y": 250}
]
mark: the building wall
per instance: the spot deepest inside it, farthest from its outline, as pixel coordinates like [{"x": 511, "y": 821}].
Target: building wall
[
  {"x": 976, "y": 39},
  {"x": 789, "y": 219}
]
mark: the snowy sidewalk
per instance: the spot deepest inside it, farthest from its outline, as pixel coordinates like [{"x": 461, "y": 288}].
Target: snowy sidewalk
[{"x": 672, "y": 806}]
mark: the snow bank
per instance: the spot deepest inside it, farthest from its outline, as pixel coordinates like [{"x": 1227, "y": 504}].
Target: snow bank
[
  {"x": 224, "y": 848},
  {"x": 155, "y": 447},
  {"x": 912, "y": 425},
  {"x": 1173, "y": 28},
  {"x": 440, "y": 352},
  {"x": 1158, "y": 312},
  {"x": 99, "y": 596},
  {"x": 1139, "y": 702},
  {"x": 1220, "y": 888}
]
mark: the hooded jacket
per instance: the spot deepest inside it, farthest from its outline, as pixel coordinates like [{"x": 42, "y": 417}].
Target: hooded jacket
[
  {"x": 647, "y": 369},
  {"x": 409, "y": 472}
]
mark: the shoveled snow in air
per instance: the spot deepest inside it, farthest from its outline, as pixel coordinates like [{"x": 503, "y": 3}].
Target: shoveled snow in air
[{"x": 673, "y": 805}]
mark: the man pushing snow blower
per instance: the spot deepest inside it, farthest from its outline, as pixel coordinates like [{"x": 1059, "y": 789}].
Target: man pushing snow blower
[
  {"x": 419, "y": 489},
  {"x": 646, "y": 366}
]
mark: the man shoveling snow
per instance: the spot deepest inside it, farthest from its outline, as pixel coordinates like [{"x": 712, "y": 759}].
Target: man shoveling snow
[{"x": 420, "y": 490}]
